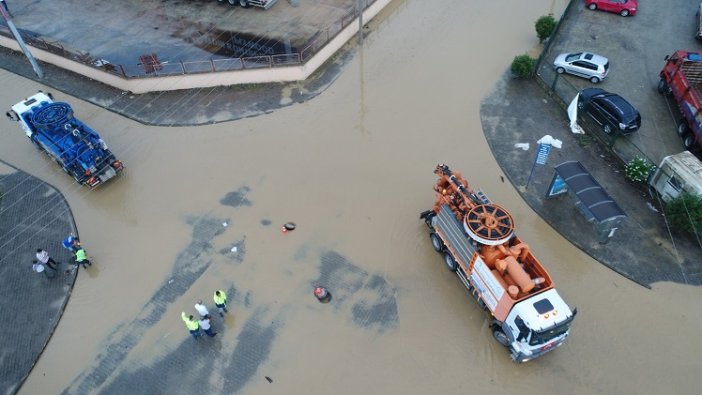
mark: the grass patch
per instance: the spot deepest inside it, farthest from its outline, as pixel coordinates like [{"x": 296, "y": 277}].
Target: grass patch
[{"x": 584, "y": 140}]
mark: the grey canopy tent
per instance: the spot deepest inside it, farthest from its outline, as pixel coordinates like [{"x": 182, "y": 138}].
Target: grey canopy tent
[{"x": 591, "y": 199}]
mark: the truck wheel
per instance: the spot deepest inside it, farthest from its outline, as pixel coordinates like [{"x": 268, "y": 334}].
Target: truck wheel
[
  {"x": 220, "y": 1},
  {"x": 592, "y": 6},
  {"x": 607, "y": 129},
  {"x": 482, "y": 304},
  {"x": 61, "y": 166},
  {"x": 682, "y": 128},
  {"x": 436, "y": 242},
  {"x": 34, "y": 141},
  {"x": 663, "y": 87},
  {"x": 450, "y": 262},
  {"x": 624, "y": 13},
  {"x": 429, "y": 223},
  {"x": 427, "y": 216},
  {"x": 244, "y": 3},
  {"x": 231, "y": 2},
  {"x": 594, "y": 80},
  {"x": 500, "y": 336},
  {"x": 689, "y": 141},
  {"x": 560, "y": 70},
  {"x": 12, "y": 115}
]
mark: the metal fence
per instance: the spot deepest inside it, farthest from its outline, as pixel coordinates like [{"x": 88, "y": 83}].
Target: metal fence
[
  {"x": 561, "y": 89},
  {"x": 316, "y": 42}
]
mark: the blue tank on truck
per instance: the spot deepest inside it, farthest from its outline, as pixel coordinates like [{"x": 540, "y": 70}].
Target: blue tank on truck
[{"x": 77, "y": 148}]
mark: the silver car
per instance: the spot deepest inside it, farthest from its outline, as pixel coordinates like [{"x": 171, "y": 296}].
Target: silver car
[{"x": 583, "y": 64}]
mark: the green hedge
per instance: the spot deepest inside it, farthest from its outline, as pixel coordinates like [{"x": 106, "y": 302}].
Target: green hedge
[
  {"x": 523, "y": 66},
  {"x": 545, "y": 26},
  {"x": 685, "y": 213}
]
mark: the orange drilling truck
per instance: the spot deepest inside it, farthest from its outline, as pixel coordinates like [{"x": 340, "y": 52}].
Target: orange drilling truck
[{"x": 477, "y": 240}]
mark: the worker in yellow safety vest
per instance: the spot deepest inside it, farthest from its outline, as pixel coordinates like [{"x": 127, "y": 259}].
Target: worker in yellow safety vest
[
  {"x": 82, "y": 258},
  {"x": 220, "y": 299},
  {"x": 192, "y": 324}
]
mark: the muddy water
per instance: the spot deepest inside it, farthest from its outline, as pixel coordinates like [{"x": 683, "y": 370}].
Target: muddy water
[{"x": 353, "y": 168}]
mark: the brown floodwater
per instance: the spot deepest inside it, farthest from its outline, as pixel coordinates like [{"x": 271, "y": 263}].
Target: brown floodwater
[{"x": 353, "y": 169}]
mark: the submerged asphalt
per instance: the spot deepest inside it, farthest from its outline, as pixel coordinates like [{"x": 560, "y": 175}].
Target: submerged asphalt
[{"x": 670, "y": 256}]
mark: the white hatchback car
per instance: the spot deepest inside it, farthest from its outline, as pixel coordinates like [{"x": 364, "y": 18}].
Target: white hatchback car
[{"x": 583, "y": 64}]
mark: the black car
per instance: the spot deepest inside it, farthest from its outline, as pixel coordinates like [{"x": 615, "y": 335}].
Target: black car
[{"x": 609, "y": 110}]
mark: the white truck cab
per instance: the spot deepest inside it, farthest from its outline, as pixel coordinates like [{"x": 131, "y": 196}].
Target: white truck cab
[
  {"x": 537, "y": 325},
  {"x": 25, "y": 107}
]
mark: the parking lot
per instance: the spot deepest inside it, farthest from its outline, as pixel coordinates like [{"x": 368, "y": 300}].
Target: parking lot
[{"x": 636, "y": 47}]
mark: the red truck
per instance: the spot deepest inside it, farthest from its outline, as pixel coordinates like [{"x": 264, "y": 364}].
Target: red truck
[{"x": 681, "y": 78}]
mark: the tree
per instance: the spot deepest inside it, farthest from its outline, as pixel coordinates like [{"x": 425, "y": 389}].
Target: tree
[
  {"x": 545, "y": 26},
  {"x": 685, "y": 213},
  {"x": 523, "y": 66}
]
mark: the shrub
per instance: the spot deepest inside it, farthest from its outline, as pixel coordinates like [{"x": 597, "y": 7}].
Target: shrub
[
  {"x": 685, "y": 213},
  {"x": 638, "y": 169},
  {"x": 523, "y": 66},
  {"x": 545, "y": 26}
]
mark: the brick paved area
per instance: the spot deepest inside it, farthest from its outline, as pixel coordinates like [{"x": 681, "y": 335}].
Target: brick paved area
[{"x": 32, "y": 215}]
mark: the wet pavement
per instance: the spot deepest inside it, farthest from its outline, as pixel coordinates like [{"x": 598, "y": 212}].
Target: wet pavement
[
  {"x": 33, "y": 215},
  {"x": 675, "y": 256},
  {"x": 371, "y": 300}
]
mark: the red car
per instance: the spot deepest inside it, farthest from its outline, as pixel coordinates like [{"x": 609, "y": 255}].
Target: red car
[{"x": 621, "y": 7}]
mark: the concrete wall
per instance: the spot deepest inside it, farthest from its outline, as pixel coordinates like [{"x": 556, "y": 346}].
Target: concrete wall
[{"x": 205, "y": 80}]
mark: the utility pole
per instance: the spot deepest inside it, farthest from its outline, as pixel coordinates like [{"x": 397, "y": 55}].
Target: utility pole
[
  {"x": 15, "y": 33},
  {"x": 359, "y": 9}
]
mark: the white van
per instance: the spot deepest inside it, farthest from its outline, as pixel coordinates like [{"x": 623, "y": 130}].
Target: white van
[{"x": 677, "y": 174}]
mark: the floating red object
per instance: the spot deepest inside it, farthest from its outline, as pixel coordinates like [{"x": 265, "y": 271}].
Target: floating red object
[{"x": 322, "y": 294}]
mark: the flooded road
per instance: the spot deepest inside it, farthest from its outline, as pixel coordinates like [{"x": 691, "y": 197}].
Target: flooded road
[{"x": 353, "y": 169}]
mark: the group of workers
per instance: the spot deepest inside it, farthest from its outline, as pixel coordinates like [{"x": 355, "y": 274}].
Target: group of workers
[
  {"x": 71, "y": 243},
  {"x": 45, "y": 264},
  {"x": 194, "y": 326}
]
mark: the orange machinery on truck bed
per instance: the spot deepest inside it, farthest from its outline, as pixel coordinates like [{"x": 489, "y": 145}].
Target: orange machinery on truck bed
[{"x": 477, "y": 240}]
